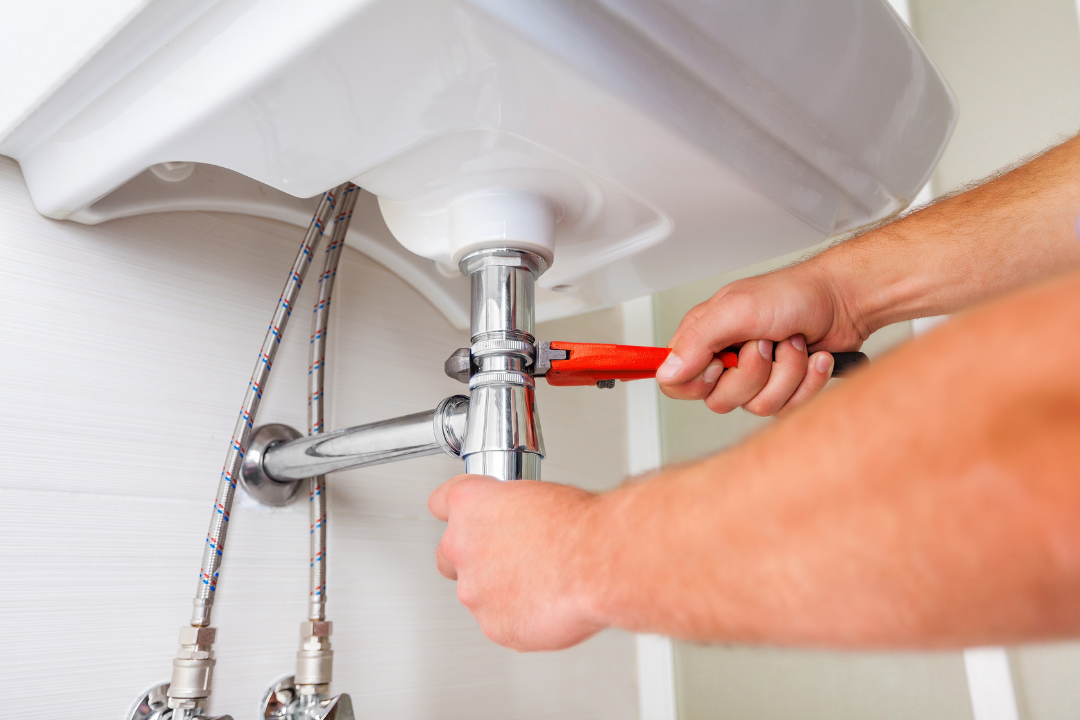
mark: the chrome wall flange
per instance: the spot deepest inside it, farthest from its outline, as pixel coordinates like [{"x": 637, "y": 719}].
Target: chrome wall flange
[
  {"x": 282, "y": 701},
  {"x": 256, "y": 481},
  {"x": 277, "y": 700},
  {"x": 154, "y": 705}
]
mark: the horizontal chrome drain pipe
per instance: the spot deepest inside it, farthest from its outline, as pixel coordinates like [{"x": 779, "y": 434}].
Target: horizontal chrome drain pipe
[{"x": 279, "y": 457}]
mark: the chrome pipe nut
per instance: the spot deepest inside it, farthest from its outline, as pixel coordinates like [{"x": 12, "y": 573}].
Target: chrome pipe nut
[
  {"x": 203, "y": 636},
  {"x": 316, "y": 628}
]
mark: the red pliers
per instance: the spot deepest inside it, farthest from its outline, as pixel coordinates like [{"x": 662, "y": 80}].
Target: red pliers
[{"x": 568, "y": 363}]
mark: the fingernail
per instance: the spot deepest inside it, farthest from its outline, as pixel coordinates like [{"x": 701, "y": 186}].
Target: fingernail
[
  {"x": 798, "y": 342},
  {"x": 825, "y": 363},
  {"x": 670, "y": 367},
  {"x": 712, "y": 373},
  {"x": 765, "y": 348}
]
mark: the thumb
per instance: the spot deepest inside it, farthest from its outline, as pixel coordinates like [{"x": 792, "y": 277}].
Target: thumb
[{"x": 698, "y": 344}]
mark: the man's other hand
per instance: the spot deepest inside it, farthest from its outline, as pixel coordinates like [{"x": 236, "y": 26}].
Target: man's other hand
[
  {"x": 518, "y": 552},
  {"x": 798, "y": 310}
]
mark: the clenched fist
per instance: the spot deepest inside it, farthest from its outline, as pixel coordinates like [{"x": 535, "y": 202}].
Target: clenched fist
[
  {"x": 786, "y": 322},
  {"x": 520, "y": 555}
]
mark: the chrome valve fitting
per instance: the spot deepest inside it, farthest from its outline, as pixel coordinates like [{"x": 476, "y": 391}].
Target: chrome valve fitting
[
  {"x": 184, "y": 698},
  {"x": 314, "y": 659},
  {"x": 193, "y": 668}
]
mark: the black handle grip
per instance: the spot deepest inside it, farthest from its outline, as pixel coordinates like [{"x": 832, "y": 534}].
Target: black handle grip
[{"x": 845, "y": 362}]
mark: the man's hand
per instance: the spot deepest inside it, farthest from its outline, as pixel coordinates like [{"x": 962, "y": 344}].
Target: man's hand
[
  {"x": 518, "y": 551},
  {"x": 798, "y": 309},
  {"x": 1012, "y": 230}
]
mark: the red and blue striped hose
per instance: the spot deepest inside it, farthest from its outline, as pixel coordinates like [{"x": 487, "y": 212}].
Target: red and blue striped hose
[
  {"x": 214, "y": 548},
  {"x": 316, "y": 381}
]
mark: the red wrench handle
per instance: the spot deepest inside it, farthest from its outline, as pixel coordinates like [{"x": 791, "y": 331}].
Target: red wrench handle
[{"x": 589, "y": 363}]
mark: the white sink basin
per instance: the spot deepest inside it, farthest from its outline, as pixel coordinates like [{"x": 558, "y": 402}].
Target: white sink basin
[{"x": 639, "y": 144}]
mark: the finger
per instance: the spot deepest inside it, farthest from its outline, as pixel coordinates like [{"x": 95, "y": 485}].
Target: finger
[
  {"x": 699, "y": 387},
  {"x": 818, "y": 371},
  {"x": 446, "y": 568},
  {"x": 738, "y": 385},
  {"x": 438, "y": 502},
  {"x": 716, "y": 329},
  {"x": 788, "y": 370},
  {"x": 712, "y": 373}
]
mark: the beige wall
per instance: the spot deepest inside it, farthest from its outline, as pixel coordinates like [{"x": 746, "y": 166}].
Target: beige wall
[{"x": 1015, "y": 68}]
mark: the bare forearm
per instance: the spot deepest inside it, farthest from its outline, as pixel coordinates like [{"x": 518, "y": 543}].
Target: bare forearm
[
  {"x": 1002, "y": 234},
  {"x": 933, "y": 500}
]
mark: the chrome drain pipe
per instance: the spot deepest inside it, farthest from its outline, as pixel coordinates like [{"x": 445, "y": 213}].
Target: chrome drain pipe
[
  {"x": 275, "y": 465},
  {"x": 503, "y": 438},
  {"x": 496, "y": 430}
]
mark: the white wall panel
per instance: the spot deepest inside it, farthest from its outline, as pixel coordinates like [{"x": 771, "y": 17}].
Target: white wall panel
[{"x": 124, "y": 353}]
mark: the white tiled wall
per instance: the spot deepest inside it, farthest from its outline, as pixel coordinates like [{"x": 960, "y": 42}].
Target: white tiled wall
[{"x": 124, "y": 353}]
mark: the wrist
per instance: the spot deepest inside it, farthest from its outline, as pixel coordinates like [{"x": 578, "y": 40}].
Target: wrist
[
  {"x": 628, "y": 557},
  {"x": 840, "y": 284},
  {"x": 872, "y": 279},
  {"x": 604, "y": 542}
]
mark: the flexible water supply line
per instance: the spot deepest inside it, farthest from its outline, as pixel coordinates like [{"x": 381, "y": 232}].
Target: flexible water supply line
[
  {"x": 316, "y": 381},
  {"x": 219, "y": 524}
]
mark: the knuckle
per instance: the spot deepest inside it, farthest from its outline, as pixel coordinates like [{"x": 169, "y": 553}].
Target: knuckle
[
  {"x": 447, "y": 549},
  {"x": 446, "y": 569},
  {"x": 761, "y": 408},
  {"x": 699, "y": 394},
  {"x": 689, "y": 390},
  {"x": 458, "y": 493},
  {"x": 467, "y": 595},
  {"x": 720, "y": 406},
  {"x": 496, "y": 633},
  {"x": 755, "y": 407},
  {"x": 695, "y": 390},
  {"x": 675, "y": 392},
  {"x": 691, "y": 337}
]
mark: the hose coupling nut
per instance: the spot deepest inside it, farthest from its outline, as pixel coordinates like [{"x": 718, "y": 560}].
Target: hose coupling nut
[
  {"x": 315, "y": 659},
  {"x": 193, "y": 667}
]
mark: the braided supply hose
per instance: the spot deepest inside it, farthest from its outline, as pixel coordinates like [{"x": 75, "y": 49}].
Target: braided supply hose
[
  {"x": 316, "y": 380},
  {"x": 214, "y": 548}
]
